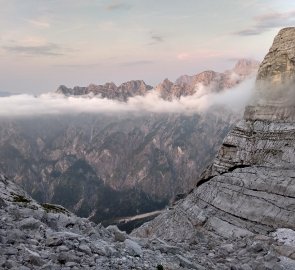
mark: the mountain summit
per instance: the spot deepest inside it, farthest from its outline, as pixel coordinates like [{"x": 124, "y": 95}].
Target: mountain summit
[{"x": 278, "y": 66}]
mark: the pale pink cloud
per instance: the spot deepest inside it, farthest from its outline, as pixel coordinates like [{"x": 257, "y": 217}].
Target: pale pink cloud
[{"x": 183, "y": 56}]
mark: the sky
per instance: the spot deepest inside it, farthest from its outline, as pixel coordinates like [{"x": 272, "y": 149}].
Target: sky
[{"x": 44, "y": 44}]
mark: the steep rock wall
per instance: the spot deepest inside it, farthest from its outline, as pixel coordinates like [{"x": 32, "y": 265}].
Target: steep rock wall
[{"x": 250, "y": 187}]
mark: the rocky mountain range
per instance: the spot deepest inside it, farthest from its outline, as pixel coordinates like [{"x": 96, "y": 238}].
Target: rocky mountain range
[
  {"x": 213, "y": 81},
  {"x": 112, "y": 166},
  {"x": 185, "y": 85}
]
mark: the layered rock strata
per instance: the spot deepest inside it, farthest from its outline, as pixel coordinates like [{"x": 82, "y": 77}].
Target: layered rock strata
[{"x": 250, "y": 187}]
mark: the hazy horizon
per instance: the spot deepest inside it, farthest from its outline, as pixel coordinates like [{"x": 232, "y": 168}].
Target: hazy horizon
[{"x": 48, "y": 43}]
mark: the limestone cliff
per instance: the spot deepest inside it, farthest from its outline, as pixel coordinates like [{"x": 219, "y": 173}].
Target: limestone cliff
[{"x": 250, "y": 187}]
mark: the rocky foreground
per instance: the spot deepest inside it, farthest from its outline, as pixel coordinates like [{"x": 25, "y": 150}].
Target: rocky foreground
[{"x": 34, "y": 236}]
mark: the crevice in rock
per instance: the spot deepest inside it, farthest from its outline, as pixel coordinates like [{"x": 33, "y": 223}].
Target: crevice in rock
[{"x": 238, "y": 167}]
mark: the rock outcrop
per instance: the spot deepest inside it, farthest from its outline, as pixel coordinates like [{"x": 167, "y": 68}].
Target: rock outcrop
[
  {"x": 250, "y": 187},
  {"x": 278, "y": 66},
  {"x": 275, "y": 80}
]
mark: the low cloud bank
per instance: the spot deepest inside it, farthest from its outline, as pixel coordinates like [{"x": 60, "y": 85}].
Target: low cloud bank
[{"x": 49, "y": 104}]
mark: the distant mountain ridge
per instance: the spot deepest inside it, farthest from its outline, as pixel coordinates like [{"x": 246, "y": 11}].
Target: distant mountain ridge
[
  {"x": 109, "y": 90},
  {"x": 214, "y": 81},
  {"x": 185, "y": 85}
]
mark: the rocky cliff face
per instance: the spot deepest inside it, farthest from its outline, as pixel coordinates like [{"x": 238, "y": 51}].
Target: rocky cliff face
[
  {"x": 250, "y": 187},
  {"x": 213, "y": 81},
  {"x": 278, "y": 66},
  {"x": 113, "y": 166},
  {"x": 109, "y": 90}
]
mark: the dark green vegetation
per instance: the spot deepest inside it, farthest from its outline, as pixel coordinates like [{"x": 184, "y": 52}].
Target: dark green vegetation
[
  {"x": 79, "y": 185},
  {"x": 53, "y": 208},
  {"x": 20, "y": 199},
  {"x": 129, "y": 226}
]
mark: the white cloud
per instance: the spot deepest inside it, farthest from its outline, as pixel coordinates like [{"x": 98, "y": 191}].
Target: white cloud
[
  {"x": 183, "y": 56},
  {"x": 39, "y": 23},
  {"x": 29, "y": 105}
]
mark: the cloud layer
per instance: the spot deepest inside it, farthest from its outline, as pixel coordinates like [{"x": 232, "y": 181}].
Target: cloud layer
[
  {"x": 49, "y": 49},
  {"x": 48, "y": 104}
]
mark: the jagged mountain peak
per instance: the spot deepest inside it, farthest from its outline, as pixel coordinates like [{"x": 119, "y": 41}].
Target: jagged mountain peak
[
  {"x": 187, "y": 85},
  {"x": 276, "y": 75},
  {"x": 184, "y": 86},
  {"x": 109, "y": 90}
]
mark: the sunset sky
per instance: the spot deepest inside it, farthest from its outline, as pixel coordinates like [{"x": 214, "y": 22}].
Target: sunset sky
[{"x": 77, "y": 42}]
